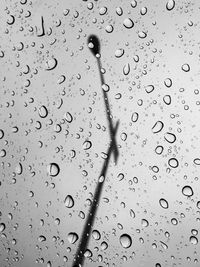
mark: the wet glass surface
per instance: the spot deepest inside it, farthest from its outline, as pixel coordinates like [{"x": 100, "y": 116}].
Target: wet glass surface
[{"x": 99, "y": 133}]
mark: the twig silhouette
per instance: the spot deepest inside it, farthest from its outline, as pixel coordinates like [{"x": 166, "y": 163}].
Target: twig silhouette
[{"x": 79, "y": 257}]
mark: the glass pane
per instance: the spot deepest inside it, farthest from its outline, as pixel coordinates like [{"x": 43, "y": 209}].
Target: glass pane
[{"x": 99, "y": 133}]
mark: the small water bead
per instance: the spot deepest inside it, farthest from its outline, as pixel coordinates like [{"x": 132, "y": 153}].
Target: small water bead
[
  {"x": 104, "y": 245},
  {"x": 109, "y": 28},
  {"x": 68, "y": 117},
  {"x": 119, "y": 11},
  {"x": 174, "y": 221},
  {"x": 194, "y": 232},
  {"x": 187, "y": 191},
  {"x": 159, "y": 150},
  {"x": 170, "y": 137},
  {"x": 197, "y": 161},
  {"x": 103, "y": 10},
  {"x": 173, "y": 163},
  {"x": 193, "y": 240},
  {"x": 88, "y": 253},
  {"x": 49, "y": 264},
  {"x": 87, "y": 145},
  {"x": 96, "y": 234},
  {"x": 105, "y": 87},
  {"x": 168, "y": 82},
  {"x": 51, "y": 64},
  {"x": 198, "y": 204},
  {"x": 132, "y": 213},
  {"x": 185, "y": 67},
  {"x": 158, "y": 126},
  {"x": 125, "y": 241},
  {"x": 144, "y": 223},
  {"x": 167, "y": 99},
  {"x": 143, "y": 11},
  {"x": 2, "y": 227},
  {"x": 163, "y": 203},
  {"x": 41, "y": 238},
  {"x": 72, "y": 237},
  {"x": 170, "y": 5},
  {"x": 126, "y": 69},
  {"x": 119, "y": 52},
  {"x": 69, "y": 201},
  {"x": 149, "y": 88},
  {"x": 134, "y": 117},
  {"x": 120, "y": 176},
  {"x": 118, "y": 96},
  {"x": 19, "y": 168},
  {"x": 43, "y": 112},
  {"x": 1, "y": 133},
  {"x": 128, "y": 23},
  {"x": 133, "y": 3},
  {"x": 101, "y": 179},
  {"x": 142, "y": 34},
  {"x": 53, "y": 169},
  {"x": 123, "y": 136}
]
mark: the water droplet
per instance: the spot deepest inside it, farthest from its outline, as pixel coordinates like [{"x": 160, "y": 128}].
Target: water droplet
[
  {"x": 159, "y": 150},
  {"x": 173, "y": 163},
  {"x": 109, "y": 28},
  {"x": 170, "y": 137},
  {"x": 69, "y": 201},
  {"x": 170, "y": 5},
  {"x": 49, "y": 264},
  {"x": 149, "y": 89},
  {"x": 125, "y": 240},
  {"x": 186, "y": 67},
  {"x": 197, "y": 161},
  {"x": 88, "y": 253},
  {"x": 1, "y": 133},
  {"x": 68, "y": 117},
  {"x": 2, "y": 227},
  {"x": 101, "y": 179},
  {"x": 187, "y": 191},
  {"x": 51, "y": 63},
  {"x": 163, "y": 203},
  {"x": 72, "y": 237},
  {"x": 119, "y": 52},
  {"x": 104, "y": 245},
  {"x": 143, "y": 11},
  {"x": 43, "y": 112},
  {"x": 119, "y": 11},
  {"x": 126, "y": 69},
  {"x": 174, "y": 221},
  {"x": 103, "y": 10},
  {"x": 128, "y": 23},
  {"x": 167, "y": 99},
  {"x": 134, "y": 116},
  {"x": 96, "y": 235},
  {"x": 144, "y": 223},
  {"x": 53, "y": 169},
  {"x": 193, "y": 240},
  {"x": 19, "y": 168},
  {"x": 87, "y": 145},
  {"x": 41, "y": 238},
  {"x": 123, "y": 136},
  {"x": 168, "y": 82},
  {"x": 142, "y": 34},
  {"x": 134, "y": 3},
  {"x": 158, "y": 126},
  {"x": 120, "y": 176},
  {"x": 132, "y": 213}
]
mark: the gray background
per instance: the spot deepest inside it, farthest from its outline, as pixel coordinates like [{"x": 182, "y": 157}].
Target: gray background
[{"x": 31, "y": 142}]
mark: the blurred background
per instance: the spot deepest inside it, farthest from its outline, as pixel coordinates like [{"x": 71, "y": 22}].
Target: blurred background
[{"x": 54, "y": 132}]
